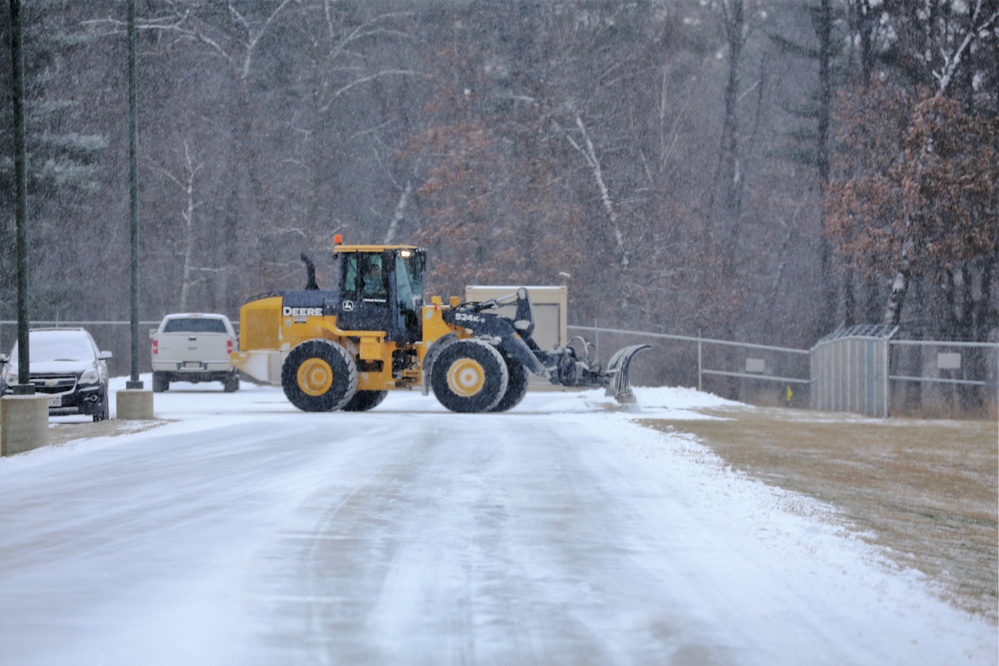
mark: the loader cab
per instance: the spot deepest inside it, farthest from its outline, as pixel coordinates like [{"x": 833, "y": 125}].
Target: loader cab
[{"x": 381, "y": 289}]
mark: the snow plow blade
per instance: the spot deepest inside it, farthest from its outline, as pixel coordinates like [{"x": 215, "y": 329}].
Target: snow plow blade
[{"x": 620, "y": 383}]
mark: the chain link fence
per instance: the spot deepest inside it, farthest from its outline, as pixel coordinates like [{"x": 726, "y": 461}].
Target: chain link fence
[
  {"x": 914, "y": 377},
  {"x": 748, "y": 372},
  {"x": 943, "y": 379}
]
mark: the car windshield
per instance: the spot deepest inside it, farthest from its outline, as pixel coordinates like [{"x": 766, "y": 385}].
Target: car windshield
[
  {"x": 56, "y": 346},
  {"x": 194, "y": 325}
]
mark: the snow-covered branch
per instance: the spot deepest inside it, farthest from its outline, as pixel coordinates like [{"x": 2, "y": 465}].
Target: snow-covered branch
[
  {"x": 253, "y": 36},
  {"x": 589, "y": 153},
  {"x": 979, "y": 25},
  {"x": 366, "y": 79},
  {"x": 400, "y": 212}
]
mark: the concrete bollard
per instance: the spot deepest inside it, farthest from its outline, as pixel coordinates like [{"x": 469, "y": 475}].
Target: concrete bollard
[
  {"x": 134, "y": 404},
  {"x": 24, "y": 423}
]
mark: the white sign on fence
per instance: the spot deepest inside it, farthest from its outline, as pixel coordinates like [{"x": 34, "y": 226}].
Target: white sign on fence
[{"x": 949, "y": 361}]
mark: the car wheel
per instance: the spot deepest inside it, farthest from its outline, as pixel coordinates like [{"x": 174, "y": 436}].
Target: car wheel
[{"x": 105, "y": 412}]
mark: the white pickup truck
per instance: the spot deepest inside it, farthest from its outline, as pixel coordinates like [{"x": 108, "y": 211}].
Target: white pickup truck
[{"x": 193, "y": 347}]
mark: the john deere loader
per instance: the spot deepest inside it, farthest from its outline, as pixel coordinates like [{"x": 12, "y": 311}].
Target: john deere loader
[{"x": 345, "y": 348}]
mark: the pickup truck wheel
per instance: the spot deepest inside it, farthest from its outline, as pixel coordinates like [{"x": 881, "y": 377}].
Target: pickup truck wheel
[
  {"x": 319, "y": 376},
  {"x": 469, "y": 376},
  {"x": 365, "y": 400},
  {"x": 160, "y": 382},
  {"x": 231, "y": 383}
]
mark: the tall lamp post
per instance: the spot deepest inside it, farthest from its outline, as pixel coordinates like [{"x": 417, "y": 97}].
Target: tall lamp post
[
  {"x": 25, "y": 415},
  {"x": 24, "y": 385},
  {"x": 133, "y": 193},
  {"x": 134, "y": 402}
]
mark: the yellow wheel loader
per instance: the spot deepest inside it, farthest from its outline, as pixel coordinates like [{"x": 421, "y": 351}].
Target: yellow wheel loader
[{"x": 345, "y": 348}]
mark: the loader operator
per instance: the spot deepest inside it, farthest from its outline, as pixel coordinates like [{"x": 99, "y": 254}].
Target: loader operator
[{"x": 373, "y": 286}]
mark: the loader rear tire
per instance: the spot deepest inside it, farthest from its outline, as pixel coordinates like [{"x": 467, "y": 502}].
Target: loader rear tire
[
  {"x": 365, "y": 400},
  {"x": 516, "y": 387},
  {"x": 469, "y": 376},
  {"x": 319, "y": 376}
]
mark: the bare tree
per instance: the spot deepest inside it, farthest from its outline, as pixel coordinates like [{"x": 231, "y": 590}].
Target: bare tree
[
  {"x": 400, "y": 212},
  {"x": 584, "y": 146},
  {"x": 980, "y": 21},
  {"x": 729, "y": 169},
  {"x": 630, "y": 144},
  {"x": 919, "y": 197},
  {"x": 185, "y": 21},
  {"x": 192, "y": 274}
]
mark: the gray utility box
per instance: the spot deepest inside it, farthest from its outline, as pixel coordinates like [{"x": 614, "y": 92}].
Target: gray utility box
[{"x": 551, "y": 306}]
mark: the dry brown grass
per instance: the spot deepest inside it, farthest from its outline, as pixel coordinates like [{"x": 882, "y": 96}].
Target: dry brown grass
[{"x": 925, "y": 489}]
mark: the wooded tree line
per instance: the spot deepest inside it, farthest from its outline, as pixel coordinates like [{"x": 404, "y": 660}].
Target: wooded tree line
[{"x": 760, "y": 170}]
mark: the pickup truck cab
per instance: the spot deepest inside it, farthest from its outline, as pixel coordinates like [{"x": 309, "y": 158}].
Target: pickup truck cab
[{"x": 193, "y": 347}]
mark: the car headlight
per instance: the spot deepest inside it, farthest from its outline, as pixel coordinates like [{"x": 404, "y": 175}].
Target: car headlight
[{"x": 90, "y": 376}]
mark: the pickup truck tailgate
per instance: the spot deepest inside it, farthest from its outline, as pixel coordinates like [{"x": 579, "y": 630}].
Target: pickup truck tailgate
[{"x": 194, "y": 347}]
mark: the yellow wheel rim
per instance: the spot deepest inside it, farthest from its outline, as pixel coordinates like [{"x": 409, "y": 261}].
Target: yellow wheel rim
[
  {"x": 466, "y": 377},
  {"x": 315, "y": 377}
]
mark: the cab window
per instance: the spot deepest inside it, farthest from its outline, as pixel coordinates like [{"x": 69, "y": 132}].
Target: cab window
[
  {"x": 364, "y": 277},
  {"x": 409, "y": 277},
  {"x": 373, "y": 279},
  {"x": 350, "y": 274}
]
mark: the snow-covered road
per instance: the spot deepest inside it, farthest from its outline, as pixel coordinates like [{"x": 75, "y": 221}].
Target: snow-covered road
[{"x": 245, "y": 532}]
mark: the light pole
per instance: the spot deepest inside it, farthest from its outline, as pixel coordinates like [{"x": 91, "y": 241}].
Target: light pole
[
  {"x": 25, "y": 415},
  {"x": 134, "y": 402},
  {"x": 133, "y": 193},
  {"x": 24, "y": 385}
]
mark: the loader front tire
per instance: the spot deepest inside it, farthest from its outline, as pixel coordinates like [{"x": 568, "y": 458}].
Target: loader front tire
[
  {"x": 516, "y": 387},
  {"x": 319, "y": 376},
  {"x": 469, "y": 376}
]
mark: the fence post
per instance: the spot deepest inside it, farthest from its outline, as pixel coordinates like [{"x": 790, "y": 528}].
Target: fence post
[
  {"x": 886, "y": 371},
  {"x": 596, "y": 340},
  {"x": 699, "y": 363}
]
